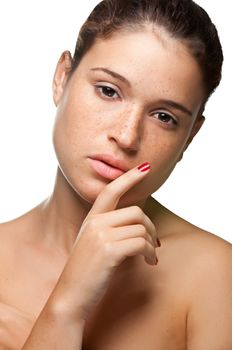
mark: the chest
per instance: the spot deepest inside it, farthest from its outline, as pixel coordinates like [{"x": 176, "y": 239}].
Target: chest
[
  {"x": 133, "y": 314},
  {"x": 139, "y": 320}
]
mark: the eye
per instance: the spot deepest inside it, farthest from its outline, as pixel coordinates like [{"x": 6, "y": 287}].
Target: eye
[
  {"x": 107, "y": 91},
  {"x": 165, "y": 118}
]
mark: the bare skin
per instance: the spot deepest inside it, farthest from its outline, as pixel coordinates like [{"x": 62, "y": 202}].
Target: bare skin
[
  {"x": 177, "y": 304},
  {"x": 145, "y": 306}
]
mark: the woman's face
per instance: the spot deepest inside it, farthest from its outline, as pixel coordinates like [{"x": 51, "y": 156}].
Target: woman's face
[{"x": 149, "y": 115}]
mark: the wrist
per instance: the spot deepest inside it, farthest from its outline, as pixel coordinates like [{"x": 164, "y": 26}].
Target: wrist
[{"x": 60, "y": 312}]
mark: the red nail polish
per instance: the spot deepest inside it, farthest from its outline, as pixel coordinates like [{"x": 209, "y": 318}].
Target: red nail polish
[{"x": 144, "y": 167}]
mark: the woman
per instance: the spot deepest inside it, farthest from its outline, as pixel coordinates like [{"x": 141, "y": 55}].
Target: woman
[{"x": 100, "y": 264}]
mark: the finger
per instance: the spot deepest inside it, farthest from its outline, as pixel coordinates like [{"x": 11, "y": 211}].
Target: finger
[
  {"x": 133, "y": 247},
  {"x": 131, "y": 231},
  {"x": 109, "y": 197},
  {"x": 129, "y": 216}
]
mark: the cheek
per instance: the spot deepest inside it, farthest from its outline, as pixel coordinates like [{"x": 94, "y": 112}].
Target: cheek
[
  {"x": 164, "y": 148},
  {"x": 75, "y": 134},
  {"x": 71, "y": 123},
  {"x": 164, "y": 153},
  {"x": 169, "y": 153},
  {"x": 66, "y": 137}
]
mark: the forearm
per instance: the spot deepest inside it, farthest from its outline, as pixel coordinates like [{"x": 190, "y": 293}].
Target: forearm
[{"x": 53, "y": 330}]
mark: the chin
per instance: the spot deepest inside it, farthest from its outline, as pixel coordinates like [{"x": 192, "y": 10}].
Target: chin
[{"x": 88, "y": 190}]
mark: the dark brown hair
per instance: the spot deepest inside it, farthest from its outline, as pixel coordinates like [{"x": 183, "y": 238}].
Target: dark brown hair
[{"x": 182, "y": 19}]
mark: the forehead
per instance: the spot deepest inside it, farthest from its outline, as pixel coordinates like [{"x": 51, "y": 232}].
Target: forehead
[{"x": 153, "y": 62}]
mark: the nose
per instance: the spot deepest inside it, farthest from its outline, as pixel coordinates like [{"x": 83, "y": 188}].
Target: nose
[{"x": 127, "y": 130}]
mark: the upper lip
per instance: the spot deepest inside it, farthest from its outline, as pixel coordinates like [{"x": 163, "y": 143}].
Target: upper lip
[{"x": 111, "y": 160}]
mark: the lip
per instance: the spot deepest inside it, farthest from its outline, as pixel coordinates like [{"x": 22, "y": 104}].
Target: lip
[
  {"x": 107, "y": 166},
  {"x": 112, "y": 161}
]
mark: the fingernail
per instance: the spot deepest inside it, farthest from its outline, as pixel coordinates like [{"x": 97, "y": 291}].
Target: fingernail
[
  {"x": 144, "y": 167},
  {"x": 158, "y": 242}
]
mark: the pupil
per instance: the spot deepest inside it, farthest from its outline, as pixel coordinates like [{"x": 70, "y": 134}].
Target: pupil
[
  {"x": 108, "y": 91},
  {"x": 164, "y": 117}
]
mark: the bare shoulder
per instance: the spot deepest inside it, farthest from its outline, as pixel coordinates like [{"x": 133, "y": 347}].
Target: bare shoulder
[
  {"x": 17, "y": 229},
  {"x": 10, "y": 233},
  {"x": 14, "y": 238},
  {"x": 13, "y": 322},
  {"x": 206, "y": 250},
  {"x": 9, "y": 253},
  {"x": 208, "y": 246},
  {"x": 7, "y": 230},
  {"x": 192, "y": 243},
  {"x": 210, "y": 304},
  {"x": 208, "y": 258},
  {"x": 199, "y": 263},
  {"x": 205, "y": 262},
  {"x": 186, "y": 247},
  {"x": 197, "y": 251}
]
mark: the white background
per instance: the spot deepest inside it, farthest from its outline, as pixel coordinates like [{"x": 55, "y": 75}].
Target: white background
[{"x": 33, "y": 35}]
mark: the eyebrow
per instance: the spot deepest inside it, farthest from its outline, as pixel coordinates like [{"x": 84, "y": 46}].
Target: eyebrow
[
  {"x": 170, "y": 103},
  {"x": 178, "y": 106},
  {"x": 113, "y": 74}
]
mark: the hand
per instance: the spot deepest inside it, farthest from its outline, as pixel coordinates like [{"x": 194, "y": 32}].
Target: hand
[{"x": 106, "y": 238}]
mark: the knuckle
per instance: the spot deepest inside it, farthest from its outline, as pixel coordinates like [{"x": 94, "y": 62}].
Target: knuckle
[
  {"x": 142, "y": 243},
  {"x": 138, "y": 211},
  {"x": 108, "y": 250},
  {"x": 109, "y": 189},
  {"x": 101, "y": 235},
  {"x": 142, "y": 230},
  {"x": 92, "y": 223}
]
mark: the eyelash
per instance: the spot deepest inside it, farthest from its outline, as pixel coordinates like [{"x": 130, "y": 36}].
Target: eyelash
[
  {"x": 99, "y": 88},
  {"x": 166, "y": 115}
]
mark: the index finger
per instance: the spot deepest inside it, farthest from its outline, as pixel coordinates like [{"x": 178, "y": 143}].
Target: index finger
[{"x": 109, "y": 197}]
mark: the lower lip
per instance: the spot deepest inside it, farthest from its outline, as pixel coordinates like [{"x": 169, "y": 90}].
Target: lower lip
[{"x": 105, "y": 170}]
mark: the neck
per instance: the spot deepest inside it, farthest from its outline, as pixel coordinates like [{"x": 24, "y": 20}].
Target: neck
[{"x": 64, "y": 212}]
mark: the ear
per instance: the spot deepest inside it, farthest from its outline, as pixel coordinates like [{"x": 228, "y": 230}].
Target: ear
[
  {"x": 61, "y": 75},
  {"x": 196, "y": 127}
]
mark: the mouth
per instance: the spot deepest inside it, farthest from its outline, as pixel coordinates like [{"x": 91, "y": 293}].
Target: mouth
[{"x": 104, "y": 169}]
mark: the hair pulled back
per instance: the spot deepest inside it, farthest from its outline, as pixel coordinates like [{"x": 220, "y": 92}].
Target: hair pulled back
[{"x": 181, "y": 19}]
